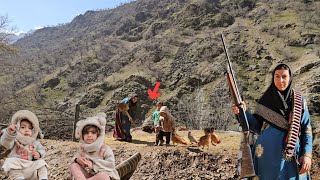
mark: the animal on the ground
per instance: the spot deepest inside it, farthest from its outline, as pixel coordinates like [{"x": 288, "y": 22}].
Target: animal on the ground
[
  {"x": 176, "y": 139},
  {"x": 204, "y": 140},
  {"x": 191, "y": 138},
  {"x": 214, "y": 139}
]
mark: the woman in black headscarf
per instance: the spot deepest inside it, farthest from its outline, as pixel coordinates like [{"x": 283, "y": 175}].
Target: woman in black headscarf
[
  {"x": 283, "y": 149},
  {"x": 124, "y": 121}
]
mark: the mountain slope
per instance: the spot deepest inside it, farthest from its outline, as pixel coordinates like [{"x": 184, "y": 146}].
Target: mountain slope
[{"x": 101, "y": 56}]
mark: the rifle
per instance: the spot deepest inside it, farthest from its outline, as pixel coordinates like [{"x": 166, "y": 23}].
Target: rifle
[{"x": 247, "y": 168}]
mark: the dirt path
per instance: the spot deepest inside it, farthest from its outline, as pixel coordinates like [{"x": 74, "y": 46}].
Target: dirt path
[{"x": 158, "y": 162}]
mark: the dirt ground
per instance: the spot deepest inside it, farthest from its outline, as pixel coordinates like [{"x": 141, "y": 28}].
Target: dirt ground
[{"x": 160, "y": 162}]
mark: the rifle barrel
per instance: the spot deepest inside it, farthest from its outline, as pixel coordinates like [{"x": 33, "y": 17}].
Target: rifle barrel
[
  {"x": 247, "y": 168},
  {"x": 237, "y": 99},
  {"x": 231, "y": 71}
]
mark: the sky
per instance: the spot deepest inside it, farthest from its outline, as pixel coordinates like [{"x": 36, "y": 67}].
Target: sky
[{"x": 26, "y": 15}]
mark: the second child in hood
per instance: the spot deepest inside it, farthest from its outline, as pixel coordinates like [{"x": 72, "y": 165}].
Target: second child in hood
[
  {"x": 94, "y": 159},
  {"x": 166, "y": 125}
]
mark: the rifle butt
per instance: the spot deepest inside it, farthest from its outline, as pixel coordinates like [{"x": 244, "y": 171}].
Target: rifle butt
[{"x": 247, "y": 168}]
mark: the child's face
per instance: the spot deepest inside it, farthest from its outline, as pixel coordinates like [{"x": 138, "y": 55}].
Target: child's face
[
  {"x": 158, "y": 107},
  {"x": 26, "y": 128},
  {"x": 163, "y": 114},
  {"x": 90, "y": 136}
]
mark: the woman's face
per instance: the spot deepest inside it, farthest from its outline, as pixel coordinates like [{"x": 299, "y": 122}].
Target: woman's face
[
  {"x": 135, "y": 99},
  {"x": 281, "y": 79}
]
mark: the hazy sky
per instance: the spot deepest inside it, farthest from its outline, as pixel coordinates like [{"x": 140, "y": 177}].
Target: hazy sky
[{"x": 34, "y": 14}]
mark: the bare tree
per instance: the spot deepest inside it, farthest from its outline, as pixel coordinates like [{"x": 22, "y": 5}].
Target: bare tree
[
  {"x": 195, "y": 113},
  {"x": 221, "y": 116},
  {"x": 192, "y": 110},
  {"x": 5, "y": 31}
]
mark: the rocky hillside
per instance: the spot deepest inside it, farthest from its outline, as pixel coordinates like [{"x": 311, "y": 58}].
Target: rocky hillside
[{"x": 102, "y": 56}]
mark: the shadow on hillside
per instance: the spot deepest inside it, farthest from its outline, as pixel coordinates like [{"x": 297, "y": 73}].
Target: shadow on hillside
[{"x": 137, "y": 141}]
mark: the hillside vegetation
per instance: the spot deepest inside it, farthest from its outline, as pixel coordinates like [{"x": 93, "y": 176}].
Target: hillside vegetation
[{"x": 102, "y": 56}]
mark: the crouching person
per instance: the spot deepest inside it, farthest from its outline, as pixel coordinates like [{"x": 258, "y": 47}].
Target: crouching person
[
  {"x": 25, "y": 160},
  {"x": 93, "y": 160}
]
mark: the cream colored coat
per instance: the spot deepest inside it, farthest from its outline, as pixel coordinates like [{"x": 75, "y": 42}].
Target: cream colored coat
[
  {"x": 101, "y": 155},
  {"x": 104, "y": 163},
  {"x": 166, "y": 124},
  {"x": 14, "y": 161}
]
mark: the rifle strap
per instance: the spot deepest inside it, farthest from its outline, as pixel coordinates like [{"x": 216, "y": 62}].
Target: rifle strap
[{"x": 294, "y": 121}]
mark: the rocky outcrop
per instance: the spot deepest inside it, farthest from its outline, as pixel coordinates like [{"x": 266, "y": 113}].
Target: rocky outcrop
[
  {"x": 314, "y": 106},
  {"x": 305, "y": 39},
  {"x": 142, "y": 16},
  {"x": 51, "y": 83},
  {"x": 92, "y": 67},
  {"x": 221, "y": 20},
  {"x": 93, "y": 98},
  {"x": 309, "y": 66},
  {"x": 316, "y": 136}
]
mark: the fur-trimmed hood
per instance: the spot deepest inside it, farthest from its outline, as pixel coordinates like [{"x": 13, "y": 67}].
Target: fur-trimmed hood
[
  {"x": 26, "y": 114},
  {"x": 100, "y": 121},
  {"x": 165, "y": 110},
  {"x": 166, "y": 124}
]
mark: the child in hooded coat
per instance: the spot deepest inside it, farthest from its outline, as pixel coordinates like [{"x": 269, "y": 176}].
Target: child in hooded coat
[
  {"x": 166, "y": 125},
  {"x": 25, "y": 160},
  {"x": 93, "y": 160}
]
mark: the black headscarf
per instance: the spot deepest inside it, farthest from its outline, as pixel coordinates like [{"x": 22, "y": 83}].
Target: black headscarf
[
  {"x": 130, "y": 96},
  {"x": 278, "y": 101}
]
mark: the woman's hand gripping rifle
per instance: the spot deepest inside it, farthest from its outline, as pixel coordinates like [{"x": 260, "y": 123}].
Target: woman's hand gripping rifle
[{"x": 247, "y": 169}]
